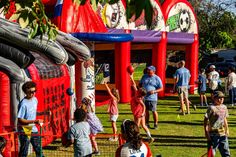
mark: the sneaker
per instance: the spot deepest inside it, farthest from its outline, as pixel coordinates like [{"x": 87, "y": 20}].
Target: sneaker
[
  {"x": 148, "y": 126},
  {"x": 150, "y": 140},
  {"x": 113, "y": 139},
  {"x": 155, "y": 126},
  {"x": 96, "y": 153},
  {"x": 194, "y": 107}
]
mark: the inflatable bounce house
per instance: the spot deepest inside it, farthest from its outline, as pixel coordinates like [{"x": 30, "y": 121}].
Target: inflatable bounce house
[
  {"x": 66, "y": 65},
  {"x": 174, "y": 31},
  {"x": 49, "y": 64}
]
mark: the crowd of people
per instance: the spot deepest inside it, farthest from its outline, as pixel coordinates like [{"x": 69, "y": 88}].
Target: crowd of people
[{"x": 82, "y": 134}]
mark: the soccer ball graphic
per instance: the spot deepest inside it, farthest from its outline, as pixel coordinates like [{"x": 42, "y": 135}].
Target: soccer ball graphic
[{"x": 184, "y": 21}]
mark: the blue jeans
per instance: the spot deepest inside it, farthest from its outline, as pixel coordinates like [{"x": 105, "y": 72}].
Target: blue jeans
[
  {"x": 220, "y": 142},
  {"x": 24, "y": 144},
  {"x": 232, "y": 95}
]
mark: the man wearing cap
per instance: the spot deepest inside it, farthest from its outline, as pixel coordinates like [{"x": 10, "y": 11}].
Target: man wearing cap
[
  {"x": 216, "y": 125},
  {"x": 153, "y": 84},
  {"x": 181, "y": 84},
  {"x": 213, "y": 79}
]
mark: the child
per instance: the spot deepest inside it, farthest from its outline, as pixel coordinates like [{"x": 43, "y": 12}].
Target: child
[
  {"x": 202, "y": 80},
  {"x": 94, "y": 122},
  {"x": 79, "y": 135},
  {"x": 134, "y": 145},
  {"x": 138, "y": 107},
  {"x": 113, "y": 109},
  {"x": 3, "y": 143},
  {"x": 216, "y": 125}
]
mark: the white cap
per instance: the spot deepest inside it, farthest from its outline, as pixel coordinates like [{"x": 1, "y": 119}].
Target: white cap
[{"x": 212, "y": 66}]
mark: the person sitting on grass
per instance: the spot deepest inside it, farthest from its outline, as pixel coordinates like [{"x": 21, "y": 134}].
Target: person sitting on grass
[
  {"x": 134, "y": 145},
  {"x": 216, "y": 125},
  {"x": 113, "y": 109},
  {"x": 78, "y": 135},
  {"x": 3, "y": 143},
  {"x": 138, "y": 107}
]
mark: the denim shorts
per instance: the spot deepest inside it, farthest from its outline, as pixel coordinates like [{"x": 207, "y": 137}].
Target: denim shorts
[{"x": 151, "y": 105}]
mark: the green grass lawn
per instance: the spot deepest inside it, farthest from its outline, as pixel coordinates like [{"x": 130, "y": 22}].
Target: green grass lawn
[{"x": 175, "y": 138}]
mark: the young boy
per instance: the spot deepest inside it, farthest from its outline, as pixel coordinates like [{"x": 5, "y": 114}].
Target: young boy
[
  {"x": 216, "y": 125},
  {"x": 79, "y": 135}
]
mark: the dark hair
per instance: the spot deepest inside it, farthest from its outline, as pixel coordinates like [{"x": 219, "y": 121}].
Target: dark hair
[
  {"x": 131, "y": 131},
  {"x": 3, "y": 143},
  {"x": 27, "y": 85},
  {"x": 79, "y": 115},
  {"x": 232, "y": 69},
  {"x": 115, "y": 92},
  {"x": 142, "y": 91}
]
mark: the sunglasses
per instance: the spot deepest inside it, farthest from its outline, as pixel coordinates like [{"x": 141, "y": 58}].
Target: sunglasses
[{"x": 32, "y": 91}]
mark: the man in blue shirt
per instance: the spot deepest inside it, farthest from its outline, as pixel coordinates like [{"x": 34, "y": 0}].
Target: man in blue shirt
[
  {"x": 181, "y": 84},
  {"x": 153, "y": 84}
]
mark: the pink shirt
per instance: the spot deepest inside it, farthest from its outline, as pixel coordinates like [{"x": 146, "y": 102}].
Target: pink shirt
[
  {"x": 136, "y": 107},
  {"x": 112, "y": 107}
]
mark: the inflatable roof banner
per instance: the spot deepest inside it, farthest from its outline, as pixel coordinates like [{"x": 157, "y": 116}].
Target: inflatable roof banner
[
  {"x": 181, "y": 19},
  {"x": 113, "y": 16}
]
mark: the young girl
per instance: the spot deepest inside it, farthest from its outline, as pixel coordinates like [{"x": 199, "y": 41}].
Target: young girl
[
  {"x": 94, "y": 122},
  {"x": 202, "y": 80},
  {"x": 138, "y": 107},
  {"x": 134, "y": 145},
  {"x": 113, "y": 109}
]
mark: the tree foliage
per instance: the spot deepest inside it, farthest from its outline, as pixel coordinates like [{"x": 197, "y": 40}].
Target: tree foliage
[
  {"x": 217, "y": 24},
  {"x": 30, "y": 13}
]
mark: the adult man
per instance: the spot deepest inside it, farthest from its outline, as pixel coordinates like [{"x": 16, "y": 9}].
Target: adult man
[
  {"x": 27, "y": 115},
  {"x": 213, "y": 79},
  {"x": 181, "y": 84},
  {"x": 153, "y": 84},
  {"x": 231, "y": 86}
]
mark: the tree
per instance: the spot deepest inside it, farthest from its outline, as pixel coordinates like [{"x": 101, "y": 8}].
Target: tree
[
  {"x": 31, "y": 13},
  {"x": 217, "y": 24}
]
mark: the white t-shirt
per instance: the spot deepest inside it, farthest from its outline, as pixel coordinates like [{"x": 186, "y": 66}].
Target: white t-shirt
[
  {"x": 213, "y": 79},
  {"x": 231, "y": 80}
]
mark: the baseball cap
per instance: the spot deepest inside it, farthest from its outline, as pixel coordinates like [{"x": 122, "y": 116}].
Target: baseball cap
[
  {"x": 213, "y": 66},
  {"x": 218, "y": 94},
  {"x": 151, "y": 68}
]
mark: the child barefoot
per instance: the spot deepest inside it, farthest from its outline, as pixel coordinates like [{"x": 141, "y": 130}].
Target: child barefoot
[
  {"x": 113, "y": 109},
  {"x": 138, "y": 107}
]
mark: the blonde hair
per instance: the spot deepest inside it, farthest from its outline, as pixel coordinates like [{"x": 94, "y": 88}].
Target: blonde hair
[{"x": 115, "y": 92}]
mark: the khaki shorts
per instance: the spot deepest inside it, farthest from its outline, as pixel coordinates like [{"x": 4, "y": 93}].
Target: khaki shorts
[{"x": 182, "y": 92}]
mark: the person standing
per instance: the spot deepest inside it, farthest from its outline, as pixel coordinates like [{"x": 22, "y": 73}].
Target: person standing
[
  {"x": 231, "y": 85},
  {"x": 202, "y": 80},
  {"x": 113, "y": 109},
  {"x": 27, "y": 111},
  {"x": 138, "y": 108},
  {"x": 152, "y": 84},
  {"x": 181, "y": 84},
  {"x": 216, "y": 125},
  {"x": 78, "y": 135},
  {"x": 213, "y": 79}
]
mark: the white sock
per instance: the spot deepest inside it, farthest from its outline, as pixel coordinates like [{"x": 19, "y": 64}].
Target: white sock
[{"x": 148, "y": 134}]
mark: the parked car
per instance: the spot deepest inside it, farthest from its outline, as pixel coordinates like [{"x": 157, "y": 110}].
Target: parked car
[{"x": 221, "y": 67}]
